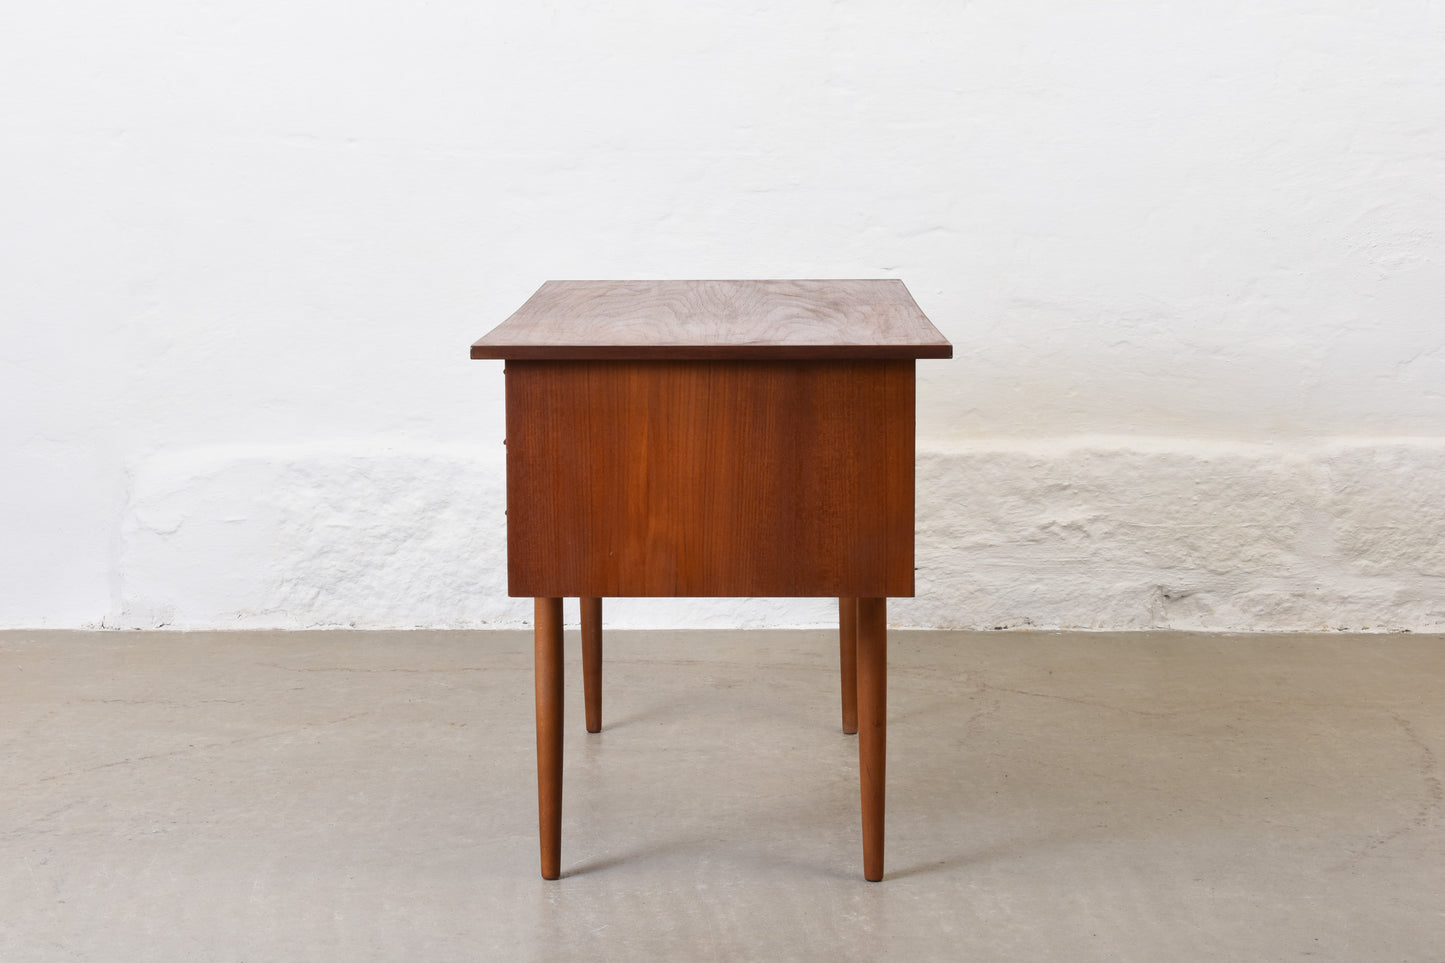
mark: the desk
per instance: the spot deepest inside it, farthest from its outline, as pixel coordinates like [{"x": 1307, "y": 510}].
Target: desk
[{"x": 712, "y": 438}]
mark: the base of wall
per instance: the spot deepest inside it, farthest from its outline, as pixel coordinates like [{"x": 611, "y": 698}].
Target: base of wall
[
  {"x": 1099, "y": 533},
  {"x": 1119, "y": 534}
]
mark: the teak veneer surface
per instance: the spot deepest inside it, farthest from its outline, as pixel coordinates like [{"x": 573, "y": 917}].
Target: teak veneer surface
[
  {"x": 714, "y": 320},
  {"x": 710, "y": 478}
]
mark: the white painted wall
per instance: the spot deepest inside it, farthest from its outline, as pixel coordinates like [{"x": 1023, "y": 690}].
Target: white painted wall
[{"x": 1191, "y": 256}]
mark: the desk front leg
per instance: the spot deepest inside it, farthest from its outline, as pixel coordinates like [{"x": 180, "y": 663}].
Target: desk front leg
[
  {"x": 872, "y": 727},
  {"x": 548, "y": 668}
]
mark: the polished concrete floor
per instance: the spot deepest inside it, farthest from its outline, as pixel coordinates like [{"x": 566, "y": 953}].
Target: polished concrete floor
[{"x": 1052, "y": 796}]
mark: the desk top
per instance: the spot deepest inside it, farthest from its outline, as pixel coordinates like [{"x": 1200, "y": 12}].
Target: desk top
[{"x": 716, "y": 320}]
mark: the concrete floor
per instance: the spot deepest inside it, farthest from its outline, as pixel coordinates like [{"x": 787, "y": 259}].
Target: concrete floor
[{"x": 1052, "y": 796}]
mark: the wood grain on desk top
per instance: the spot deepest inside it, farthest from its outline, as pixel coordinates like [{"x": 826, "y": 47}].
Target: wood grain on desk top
[{"x": 715, "y": 320}]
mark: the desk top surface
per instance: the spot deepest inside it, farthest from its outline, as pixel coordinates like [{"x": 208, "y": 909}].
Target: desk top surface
[{"x": 716, "y": 320}]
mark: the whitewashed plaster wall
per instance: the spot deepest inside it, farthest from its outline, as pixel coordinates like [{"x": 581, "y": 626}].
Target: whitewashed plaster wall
[{"x": 1190, "y": 256}]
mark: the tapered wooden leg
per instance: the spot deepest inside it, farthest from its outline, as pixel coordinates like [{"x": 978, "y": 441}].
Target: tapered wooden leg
[
  {"x": 872, "y": 727},
  {"x": 848, "y": 661},
  {"x": 592, "y": 661},
  {"x": 548, "y": 638}
]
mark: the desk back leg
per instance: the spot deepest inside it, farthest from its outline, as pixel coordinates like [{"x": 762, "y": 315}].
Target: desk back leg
[
  {"x": 592, "y": 661},
  {"x": 548, "y": 668},
  {"x": 848, "y": 661},
  {"x": 872, "y": 727}
]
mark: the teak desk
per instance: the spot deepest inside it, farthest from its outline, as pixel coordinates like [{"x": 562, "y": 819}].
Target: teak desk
[{"x": 712, "y": 438}]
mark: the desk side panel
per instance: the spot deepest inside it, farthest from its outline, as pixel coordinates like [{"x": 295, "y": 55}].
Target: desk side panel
[{"x": 702, "y": 478}]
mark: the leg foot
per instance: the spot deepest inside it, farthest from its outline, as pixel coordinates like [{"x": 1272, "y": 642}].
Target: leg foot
[
  {"x": 872, "y": 727},
  {"x": 548, "y": 638}
]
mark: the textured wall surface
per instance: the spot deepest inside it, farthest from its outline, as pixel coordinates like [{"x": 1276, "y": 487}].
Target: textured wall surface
[
  {"x": 1094, "y": 533},
  {"x": 1190, "y": 256}
]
